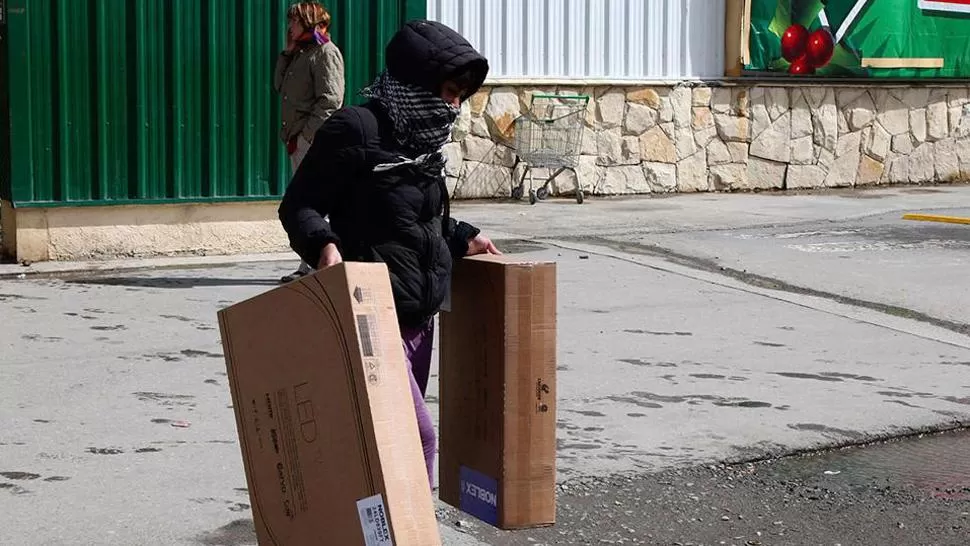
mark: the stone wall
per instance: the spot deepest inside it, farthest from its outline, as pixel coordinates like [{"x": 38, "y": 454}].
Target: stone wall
[{"x": 728, "y": 138}]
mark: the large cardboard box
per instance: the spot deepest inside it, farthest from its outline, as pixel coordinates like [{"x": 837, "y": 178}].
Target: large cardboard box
[
  {"x": 324, "y": 413},
  {"x": 497, "y": 383}
]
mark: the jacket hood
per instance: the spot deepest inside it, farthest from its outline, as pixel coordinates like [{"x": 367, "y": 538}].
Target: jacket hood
[{"x": 426, "y": 53}]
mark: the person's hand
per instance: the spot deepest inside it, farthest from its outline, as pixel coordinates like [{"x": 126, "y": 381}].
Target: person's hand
[
  {"x": 329, "y": 256},
  {"x": 481, "y": 245}
]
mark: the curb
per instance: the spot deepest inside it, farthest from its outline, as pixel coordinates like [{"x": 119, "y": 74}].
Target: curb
[{"x": 49, "y": 270}]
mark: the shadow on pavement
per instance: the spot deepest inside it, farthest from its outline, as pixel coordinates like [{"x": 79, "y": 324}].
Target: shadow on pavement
[
  {"x": 236, "y": 533},
  {"x": 174, "y": 282}
]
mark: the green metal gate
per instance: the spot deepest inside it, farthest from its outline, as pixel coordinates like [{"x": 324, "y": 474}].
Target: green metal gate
[{"x": 157, "y": 101}]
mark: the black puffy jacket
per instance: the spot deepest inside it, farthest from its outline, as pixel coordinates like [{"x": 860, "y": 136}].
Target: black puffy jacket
[{"x": 399, "y": 217}]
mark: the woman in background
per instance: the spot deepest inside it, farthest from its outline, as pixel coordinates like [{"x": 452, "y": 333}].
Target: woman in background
[{"x": 309, "y": 77}]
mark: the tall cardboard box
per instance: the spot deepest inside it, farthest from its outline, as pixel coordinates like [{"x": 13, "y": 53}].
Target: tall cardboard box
[
  {"x": 497, "y": 379},
  {"x": 324, "y": 413}
]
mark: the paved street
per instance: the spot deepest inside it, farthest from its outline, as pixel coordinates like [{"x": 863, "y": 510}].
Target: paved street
[{"x": 695, "y": 330}]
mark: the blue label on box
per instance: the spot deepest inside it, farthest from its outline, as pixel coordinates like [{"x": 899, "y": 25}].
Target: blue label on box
[{"x": 479, "y": 495}]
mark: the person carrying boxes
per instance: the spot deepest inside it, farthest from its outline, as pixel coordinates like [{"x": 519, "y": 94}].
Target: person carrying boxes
[{"x": 377, "y": 170}]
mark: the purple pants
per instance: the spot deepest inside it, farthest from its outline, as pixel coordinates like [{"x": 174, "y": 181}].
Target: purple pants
[{"x": 417, "y": 349}]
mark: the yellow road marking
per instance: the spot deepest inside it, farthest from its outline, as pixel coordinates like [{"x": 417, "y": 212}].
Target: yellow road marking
[{"x": 937, "y": 218}]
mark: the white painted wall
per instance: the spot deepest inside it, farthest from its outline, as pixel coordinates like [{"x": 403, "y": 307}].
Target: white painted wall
[{"x": 592, "y": 39}]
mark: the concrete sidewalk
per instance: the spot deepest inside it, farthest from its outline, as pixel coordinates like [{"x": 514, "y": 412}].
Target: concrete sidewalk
[{"x": 666, "y": 360}]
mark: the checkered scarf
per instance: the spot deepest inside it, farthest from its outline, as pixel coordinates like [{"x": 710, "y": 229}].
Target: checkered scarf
[{"x": 422, "y": 120}]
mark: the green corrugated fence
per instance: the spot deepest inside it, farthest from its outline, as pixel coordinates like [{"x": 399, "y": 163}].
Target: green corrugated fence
[{"x": 153, "y": 101}]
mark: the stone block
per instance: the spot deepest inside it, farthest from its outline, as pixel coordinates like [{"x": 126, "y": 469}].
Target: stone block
[
  {"x": 704, "y": 137},
  {"x": 825, "y": 118},
  {"x": 692, "y": 173},
  {"x": 480, "y": 127},
  {"x": 947, "y": 161},
  {"x": 922, "y": 165},
  {"x": 660, "y": 177},
  {"x": 503, "y": 155},
  {"x": 721, "y": 100},
  {"x": 666, "y": 111},
  {"x": 740, "y": 102},
  {"x": 775, "y": 142},
  {"x": 892, "y": 114},
  {"x": 483, "y": 181},
  {"x": 878, "y": 142},
  {"x": 564, "y": 184},
  {"x": 728, "y": 177},
  {"x": 903, "y": 144},
  {"x": 843, "y": 123},
  {"x": 937, "y": 121},
  {"x": 844, "y": 169},
  {"x": 628, "y": 179},
  {"x": 733, "y": 128},
  {"x": 960, "y": 120},
  {"x": 589, "y": 142},
  {"x": 701, "y": 118},
  {"x": 479, "y": 101},
  {"x": 610, "y": 107},
  {"x": 899, "y": 170},
  {"x": 501, "y": 113},
  {"x": 956, "y": 98},
  {"x": 760, "y": 119},
  {"x": 453, "y": 158},
  {"x": 680, "y": 100},
  {"x": 917, "y": 124},
  {"x": 801, "y": 116},
  {"x": 739, "y": 151},
  {"x": 845, "y": 98},
  {"x": 526, "y": 95},
  {"x": 777, "y": 102},
  {"x": 477, "y": 149},
  {"x": 802, "y": 151},
  {"x": 646, "y": 97},
  {"x": 463, "y": 125},
  {"x": 913, "y": 98},
  {"x": 870, "y": 171},
  {"x": 805, "y": 177},
  {"x": 589, "y": 173},
  {"x": 639, "y": 119},
  {"x": 764, "y": 174},
  {"x": 612, "y": 148},
  {"x": 861, "y": 112},
  {"x": 630, "y": 151},
  {"x": 684, "y": 142},
  {"x": 656, "y": 146},
  {"x": 701, "y": 96},
  {"x": 718, "y": 154}
]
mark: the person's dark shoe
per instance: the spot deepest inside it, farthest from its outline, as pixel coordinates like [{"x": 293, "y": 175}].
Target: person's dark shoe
[{"x": 303, "y": 270}]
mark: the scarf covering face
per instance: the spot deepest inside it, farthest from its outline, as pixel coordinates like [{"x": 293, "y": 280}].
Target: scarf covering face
[{"x": 422, "y": 120}]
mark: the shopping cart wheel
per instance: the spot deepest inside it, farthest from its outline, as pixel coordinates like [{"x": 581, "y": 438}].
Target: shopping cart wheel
[
  {"x": 517, "y": 193},
  {"x": 542, "y": 193},
  {"x": 579, "y": 196},
  {"x": 532, "y": 197}
]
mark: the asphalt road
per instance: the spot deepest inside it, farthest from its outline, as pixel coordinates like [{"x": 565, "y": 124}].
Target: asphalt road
[{"x": 694, "y": 331}]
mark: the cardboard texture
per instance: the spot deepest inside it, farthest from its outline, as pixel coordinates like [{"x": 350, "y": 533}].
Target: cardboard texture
[
  {"x": 497, "y": 437},
  {"x": 324, "y": 413}
]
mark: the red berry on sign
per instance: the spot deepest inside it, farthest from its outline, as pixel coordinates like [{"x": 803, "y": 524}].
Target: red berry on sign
[
  {"x": 793, "y": 42},
  {"x": 802, "y": 66},
  {"x": 820, "y": 47}
]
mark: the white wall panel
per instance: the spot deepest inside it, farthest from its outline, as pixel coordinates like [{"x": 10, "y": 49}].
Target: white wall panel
[{"x": 592, "y": 39}]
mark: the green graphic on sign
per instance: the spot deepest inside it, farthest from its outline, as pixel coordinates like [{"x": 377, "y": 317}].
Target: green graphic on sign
[{"x": 913, "y": 39}]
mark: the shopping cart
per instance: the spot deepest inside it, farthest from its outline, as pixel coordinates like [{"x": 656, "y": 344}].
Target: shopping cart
[{"x": 550, "y": 136}]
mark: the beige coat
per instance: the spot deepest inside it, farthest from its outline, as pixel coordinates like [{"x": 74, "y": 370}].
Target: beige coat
[{"x": 311, "y": 87}]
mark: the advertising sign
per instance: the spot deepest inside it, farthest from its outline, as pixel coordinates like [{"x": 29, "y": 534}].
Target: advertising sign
[{"x": 912, "y": 39}]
